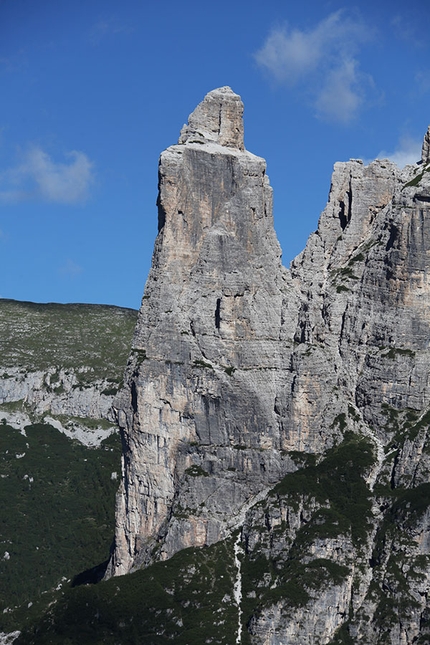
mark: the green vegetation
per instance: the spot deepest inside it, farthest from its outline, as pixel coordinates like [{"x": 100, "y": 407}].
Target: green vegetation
[
  {"x": 302, "y": 459},
  {"x": 42, "y": 336},
  {"x": 357, "y": 258},
  {"x": 395, "y": 572},
  {"x": 342, "y": 636},
  {"x": 291, "y": 581},
  {"x": 393, "y": 352},
  {"x": 189, "y": 598},
  {"x": 337, "y": 481},
  {"x": 347, "y": 272},
  {"x": 139, "y": 354},
  {"x": 343, "y": 507},
  {"x": 340, "y": 421},
  {"x": 353, "y": 413},
  {"x": 416, "y": 180},
  {"x": 186, "y": 601},
  {"x": 405, "y": 424},
  {"x": 57, "y": 501},
  {"x": 200, "y": 363},
  {"x": 344, "y": 274},
  {"x": 196, "y": 471}
]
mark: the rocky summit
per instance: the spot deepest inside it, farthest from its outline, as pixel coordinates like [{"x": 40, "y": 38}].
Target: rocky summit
[
  {"x": 285, "y": 412},
  {"x": 210, "y": 352}
]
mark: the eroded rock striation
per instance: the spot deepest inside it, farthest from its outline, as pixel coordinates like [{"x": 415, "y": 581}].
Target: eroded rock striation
[
  {"x": 290, "y": 405},
  {"x": 201, "y": 431}
]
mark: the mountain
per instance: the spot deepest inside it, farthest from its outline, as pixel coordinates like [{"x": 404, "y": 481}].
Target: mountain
[
  {"x": 274, "y": 422},
  {"x": 60, "y": 367},
  {"x": 63, "y": 364}
]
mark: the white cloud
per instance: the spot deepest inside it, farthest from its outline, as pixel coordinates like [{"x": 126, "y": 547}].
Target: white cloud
[
  {"x": 107, "y": 27},
  {"x": 407, "y": 152},
  {"x": 39, "y": 177},
  {"x": 71, "y": 269},
  {"x": 340, "y": 98},
  {"x": 289, "y": 54},
  {"x": 408, "y": 27},
  {"x": 422, "y": 79},
  {"x": 321, "y": 61}
]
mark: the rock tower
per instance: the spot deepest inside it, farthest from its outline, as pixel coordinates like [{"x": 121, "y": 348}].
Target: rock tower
[
  {"x": 201, "y": 434},
  {"x": 290, "y": 408}
]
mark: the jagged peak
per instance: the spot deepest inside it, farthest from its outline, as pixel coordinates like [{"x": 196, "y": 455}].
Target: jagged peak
[
  {"x": 425, "y": 151},
  {"x": 217, "y": 119}
]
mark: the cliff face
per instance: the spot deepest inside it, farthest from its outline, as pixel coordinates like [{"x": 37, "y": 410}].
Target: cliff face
[
  {"x": 293, "y": 406},
  {"x": 63, "y": 364},
  {"x": 201, "y": 431}
]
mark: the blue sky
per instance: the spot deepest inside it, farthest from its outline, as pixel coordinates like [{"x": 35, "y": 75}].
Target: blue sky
[{"x": 93, "y": 90}]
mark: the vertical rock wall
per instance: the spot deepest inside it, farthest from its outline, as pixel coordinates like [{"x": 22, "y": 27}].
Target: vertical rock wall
[
  {"x": 292, "y": 405},
  {"x": 201, "y": 434}
]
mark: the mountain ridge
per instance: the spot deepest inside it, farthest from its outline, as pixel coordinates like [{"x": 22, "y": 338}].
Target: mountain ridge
[
  {"x": 275, "y": 423},
  {"x": 238, "y": 364},
  {"x": 70, "y": 380}
]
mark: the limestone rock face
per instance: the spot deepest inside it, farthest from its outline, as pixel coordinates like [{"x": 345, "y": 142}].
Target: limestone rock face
[
  {"x": 199, "y": 416},
  {"x": 425, "y": 153},
  {"x": 292, "y": 406},
  {"x": 365, "y": 307},
  {"x": 217, "y": 119},
  {"x": 56, "y": 396}
]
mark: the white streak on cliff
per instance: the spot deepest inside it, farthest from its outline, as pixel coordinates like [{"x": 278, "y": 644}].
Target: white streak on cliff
[{"x": 237, "y": 589}]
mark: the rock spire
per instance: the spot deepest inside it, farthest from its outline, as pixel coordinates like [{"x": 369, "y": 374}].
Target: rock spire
[
  {"x": 197, "y": 413},
  {"x": 290, "y": 406},
  {"x": 217, "y": 119},
  {"x": 425, "y": 152}
]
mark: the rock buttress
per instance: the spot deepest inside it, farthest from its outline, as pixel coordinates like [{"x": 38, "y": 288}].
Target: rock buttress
[
  {"x": 200, "y": 430},
  {"x": 239, "y": 368}
]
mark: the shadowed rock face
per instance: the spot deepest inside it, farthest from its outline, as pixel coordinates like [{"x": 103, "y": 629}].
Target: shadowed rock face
[{"x": 238, "y": 364}]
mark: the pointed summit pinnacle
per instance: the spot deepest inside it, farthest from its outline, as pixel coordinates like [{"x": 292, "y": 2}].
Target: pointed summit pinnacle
[
  {"x": 217, "y": 119},
  {"x": 425, "y": 151}
]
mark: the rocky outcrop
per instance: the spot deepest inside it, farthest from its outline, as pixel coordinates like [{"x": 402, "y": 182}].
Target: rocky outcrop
[
  {"x": 293, "y": 406},
  {"x": 199, "y": 415},
  {"x": 425, "y": 152},
  {"x": 69, "y": 399},
  {"x": 217, "y": 119},
  {"x": 63, "y": 365}
]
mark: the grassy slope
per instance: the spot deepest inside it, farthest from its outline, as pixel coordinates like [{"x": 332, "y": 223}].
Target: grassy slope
[
  {"x": 56, "y": 495},
  {"x": 39, "y": 336}
]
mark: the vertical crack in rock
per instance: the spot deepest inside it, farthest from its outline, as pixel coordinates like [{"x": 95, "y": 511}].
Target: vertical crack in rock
[{"x": 218, "y": 313}]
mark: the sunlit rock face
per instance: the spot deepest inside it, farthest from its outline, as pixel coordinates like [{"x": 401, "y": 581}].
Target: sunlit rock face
[
  {"x": 201, "y": 433},
  {"x": 241, "y": 371}
]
